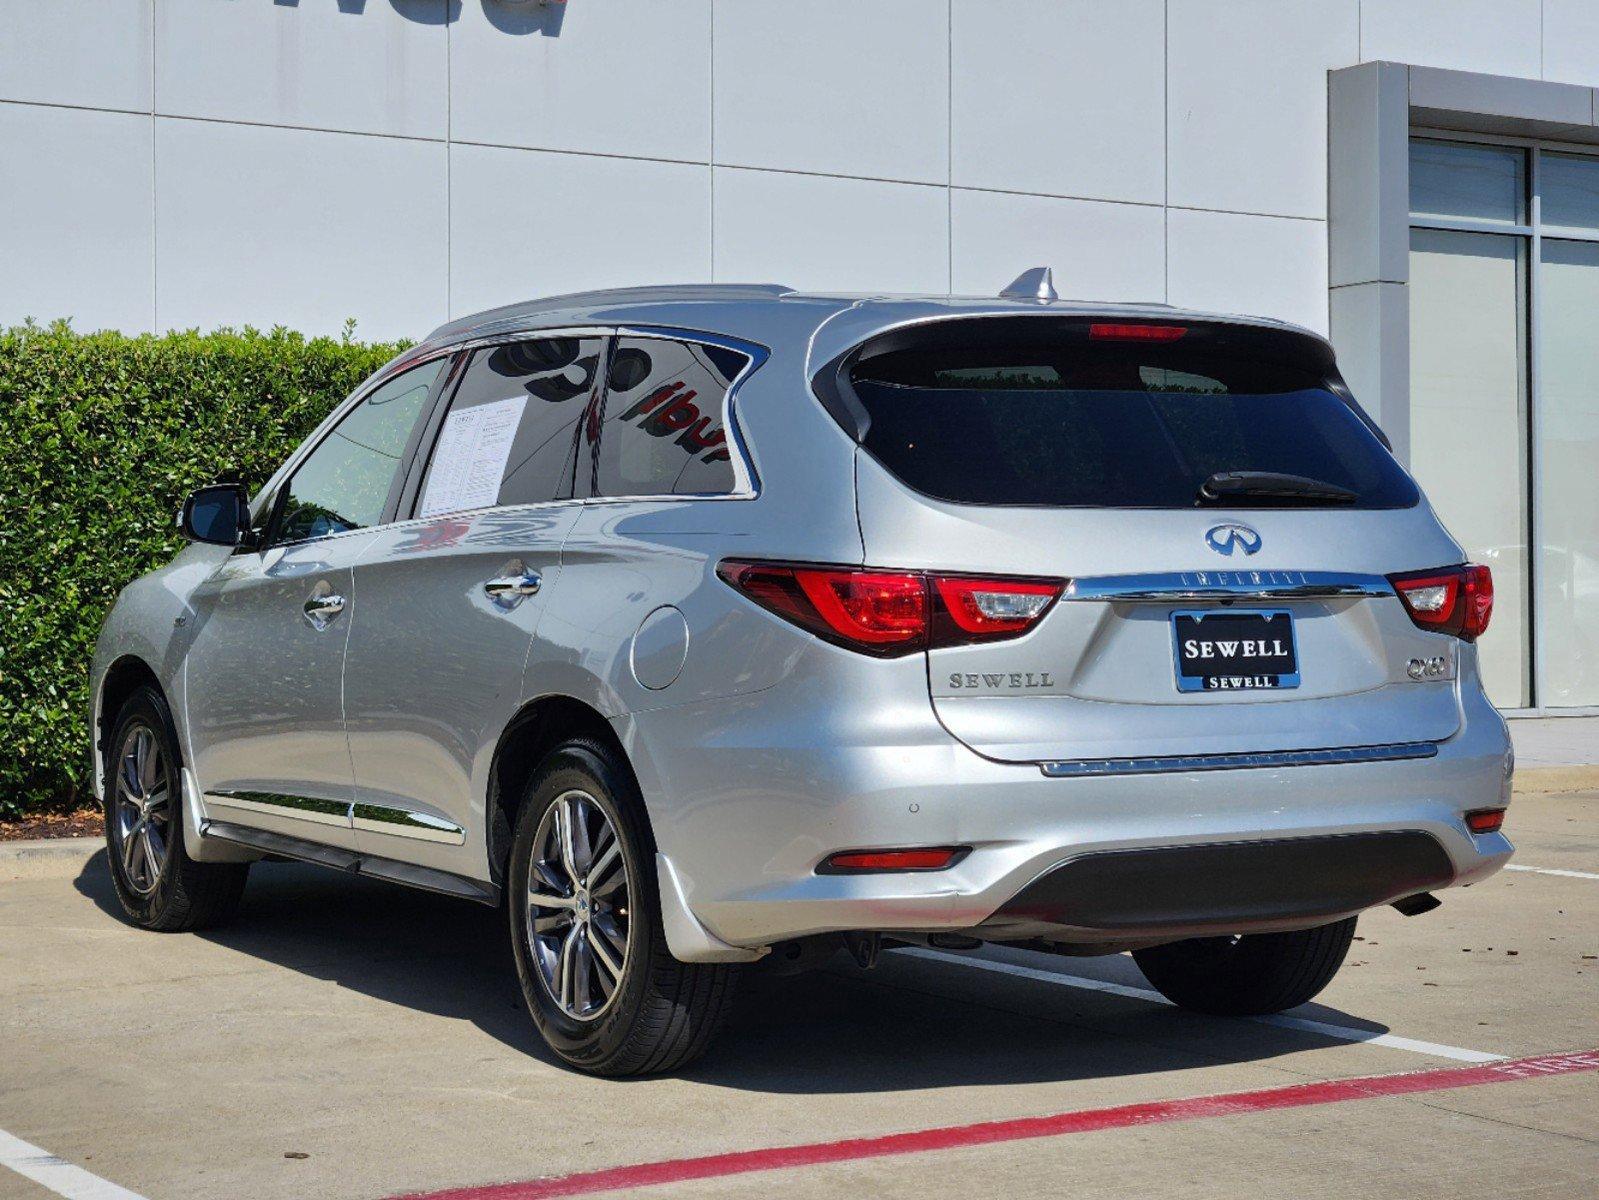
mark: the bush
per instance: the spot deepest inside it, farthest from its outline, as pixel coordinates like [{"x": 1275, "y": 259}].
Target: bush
[{"x": 101, "y": 437}]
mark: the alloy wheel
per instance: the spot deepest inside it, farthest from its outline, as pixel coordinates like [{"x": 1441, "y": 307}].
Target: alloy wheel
[
  {"x": 578, "y": 905},
  {"x": 143, "y": 810}
]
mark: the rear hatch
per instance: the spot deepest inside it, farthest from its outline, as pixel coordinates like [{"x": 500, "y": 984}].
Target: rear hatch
[{"x": 1222, "y": 513}]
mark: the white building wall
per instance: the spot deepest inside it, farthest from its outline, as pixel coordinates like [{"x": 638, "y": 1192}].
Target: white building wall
[{"x": 175, "y": 163}]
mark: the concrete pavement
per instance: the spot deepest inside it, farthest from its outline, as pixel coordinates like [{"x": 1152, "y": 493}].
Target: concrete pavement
[{"x": 378, "y": 1033}]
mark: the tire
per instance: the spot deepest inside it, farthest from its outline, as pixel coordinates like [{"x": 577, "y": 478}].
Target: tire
[
  {"x": 159, "y": 886},
  {"x": 1248, "y": 975},
  {"x": 659, "y": 1014}
]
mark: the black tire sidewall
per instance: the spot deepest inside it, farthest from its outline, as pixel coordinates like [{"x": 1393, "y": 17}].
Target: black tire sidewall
[
  {"x": 588, "y": 767},
  {"x": 145, "y": 707}
]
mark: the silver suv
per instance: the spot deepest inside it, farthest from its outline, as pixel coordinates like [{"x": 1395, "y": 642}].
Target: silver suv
[{"x": 702, "y": 625}]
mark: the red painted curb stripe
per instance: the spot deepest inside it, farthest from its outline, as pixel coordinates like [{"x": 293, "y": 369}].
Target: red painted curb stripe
[{"x": 1082, "y": 1121}]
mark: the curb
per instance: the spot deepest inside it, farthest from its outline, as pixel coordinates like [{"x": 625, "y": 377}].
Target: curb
[{"x": 31, "y": 850}]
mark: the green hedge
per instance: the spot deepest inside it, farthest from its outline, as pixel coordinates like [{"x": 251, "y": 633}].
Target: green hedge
[{"x": 101, "y": 436}]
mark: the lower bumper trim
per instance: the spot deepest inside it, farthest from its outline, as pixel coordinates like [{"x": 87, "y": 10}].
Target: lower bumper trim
[
  {"x": 1232, "y": 884},
  {"x": 1332, "y": 756}
]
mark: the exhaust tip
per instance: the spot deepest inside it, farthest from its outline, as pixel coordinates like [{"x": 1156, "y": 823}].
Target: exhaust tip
[{"x": 1414, "y": 906}]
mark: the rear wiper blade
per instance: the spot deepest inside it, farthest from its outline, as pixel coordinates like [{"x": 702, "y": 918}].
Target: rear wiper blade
[{"x": 1270, "y": 485}]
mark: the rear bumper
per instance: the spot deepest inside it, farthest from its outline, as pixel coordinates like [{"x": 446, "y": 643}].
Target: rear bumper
[
  {"x": 1228, "y": 887},
  {"x": 747, "y": 796}
]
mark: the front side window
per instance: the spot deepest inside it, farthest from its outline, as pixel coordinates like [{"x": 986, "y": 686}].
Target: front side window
[
  {"x": 665, "y": 427},
  {"x": 345, "y": 482},
  {"x": 513, "y": 429}
]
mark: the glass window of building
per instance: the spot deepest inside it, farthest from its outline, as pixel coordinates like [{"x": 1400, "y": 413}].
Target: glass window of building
[{"x": 1504, "y": 362}]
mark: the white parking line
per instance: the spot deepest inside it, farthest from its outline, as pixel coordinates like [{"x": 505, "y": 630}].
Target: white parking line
[
  {"x": 60, "y": 1177},
  {"x": 1341, "y": 1032},
  {"x": 1552, "y": 871}
]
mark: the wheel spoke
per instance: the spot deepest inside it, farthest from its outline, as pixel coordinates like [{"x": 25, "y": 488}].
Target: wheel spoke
[
  {"x": 546, "y": 900},
  {"x": 611, "y": 969},
  {"x": 128, "y": 777},
  {"x": 607, "y": 858},
  {"x": 564, "y": 814},
  {"x": 130, "y": 844},
  {"x": 567, "y": 970},
  {"x": 582, "y": 843},
  {"x": 583, "y": 981},
  {"x": 144, "y": 747},
  {"x": 156, "y": 799},
  {"x": 152, "y": 863},
  {"x": 551, "y": 924}
]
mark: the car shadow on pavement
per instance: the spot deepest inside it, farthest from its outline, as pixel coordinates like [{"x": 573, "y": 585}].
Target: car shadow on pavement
[{"x": 906, "y": 1025}]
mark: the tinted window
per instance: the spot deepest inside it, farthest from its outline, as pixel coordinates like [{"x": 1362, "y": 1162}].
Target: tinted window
[
  {"x": 1065, "y": 420},
  {"x": 665, "y": 427},
  {"x": 344, "y": 483},
  {"x": 511, "y": 435}
]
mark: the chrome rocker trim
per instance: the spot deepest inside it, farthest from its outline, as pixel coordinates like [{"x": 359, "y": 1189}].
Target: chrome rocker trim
[
  {"x": 1167, "y": 586},
  {"x": 402, "y": 822},
  {"x": 301, "y": 808},
  {"x": 343, "y": 814},
  {"x": 1335, "y": 756}
]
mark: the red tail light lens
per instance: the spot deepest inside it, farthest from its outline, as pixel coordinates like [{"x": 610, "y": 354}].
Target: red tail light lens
[
  {"x": 1457, "y": 600},
  {"x": 932, "y": 858},
  {"x": 888, "y": 613},
  {"x": 878, "y": 608},
  {"x": 1136, "y": 333}
]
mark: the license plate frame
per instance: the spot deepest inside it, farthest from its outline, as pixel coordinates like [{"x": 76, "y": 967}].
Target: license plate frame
[{"x": 1238, "y": 626}]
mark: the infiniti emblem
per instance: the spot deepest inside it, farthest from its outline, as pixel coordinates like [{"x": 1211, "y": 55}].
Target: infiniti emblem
[{"x": 1223, "y": 539}]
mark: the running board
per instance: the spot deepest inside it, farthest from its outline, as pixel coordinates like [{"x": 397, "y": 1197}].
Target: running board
[{"x": 409, "y": 874}]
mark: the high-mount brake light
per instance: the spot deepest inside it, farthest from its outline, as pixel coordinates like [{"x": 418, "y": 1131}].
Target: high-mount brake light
[
  {"x": 1457, "y": 600},
  {"x": 1102, "y": 331},
  {"x": 887, "y": 613},
  {"x": 929, "y": 858}
]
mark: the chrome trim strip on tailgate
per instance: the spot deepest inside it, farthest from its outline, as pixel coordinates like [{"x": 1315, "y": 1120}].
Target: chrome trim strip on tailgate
[
  {"x": 1162, "y": 587},
  {"x": 1077, "y": 767}
]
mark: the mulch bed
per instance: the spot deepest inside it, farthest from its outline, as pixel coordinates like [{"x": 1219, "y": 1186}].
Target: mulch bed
[{"x": 86, "y": 822}]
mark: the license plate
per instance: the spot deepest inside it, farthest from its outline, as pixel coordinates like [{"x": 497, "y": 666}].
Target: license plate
[{"x": 1223, "y": 651}]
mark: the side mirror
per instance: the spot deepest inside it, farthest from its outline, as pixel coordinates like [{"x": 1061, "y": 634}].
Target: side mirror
[{"x": 218, "y": 515}]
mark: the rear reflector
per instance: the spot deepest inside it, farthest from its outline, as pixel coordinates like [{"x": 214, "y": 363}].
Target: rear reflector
[
  {"x": 1485, "y": 820},
  {"x": 1457, "y": 600},
  {"x": 1136, "y": 333},
  {"x": 930, "y": 858},
  {"x": 887, "y": 613}
]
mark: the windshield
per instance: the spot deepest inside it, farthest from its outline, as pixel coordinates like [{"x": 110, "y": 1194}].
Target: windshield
[{"x": 1068, "y": 422}]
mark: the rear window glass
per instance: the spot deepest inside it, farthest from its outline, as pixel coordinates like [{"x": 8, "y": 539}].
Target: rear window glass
[{"x": 1062, "y": 420}]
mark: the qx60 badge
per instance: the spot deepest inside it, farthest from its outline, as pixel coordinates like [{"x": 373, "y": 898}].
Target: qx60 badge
[{"x": 1224, "y": 539}]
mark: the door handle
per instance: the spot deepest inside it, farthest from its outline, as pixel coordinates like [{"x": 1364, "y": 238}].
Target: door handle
[
  {"x": 321, "y": 609},
  {"x": 510, "y": 588}
]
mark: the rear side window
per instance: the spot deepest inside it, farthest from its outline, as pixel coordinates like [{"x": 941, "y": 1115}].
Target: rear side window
[
  {"x": 512, "y": 432},
  {"x": 1046, "y": 413},
  {"x": 664, "y": 431}
]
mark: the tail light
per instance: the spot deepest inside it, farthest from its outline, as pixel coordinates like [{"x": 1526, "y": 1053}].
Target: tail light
[
  {"x": 1457, "y": 600},
  {"x": 888, "y": 613}
]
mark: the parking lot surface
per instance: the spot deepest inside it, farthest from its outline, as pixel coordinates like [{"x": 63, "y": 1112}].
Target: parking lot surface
[{"x": 346, "y": 1038}]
